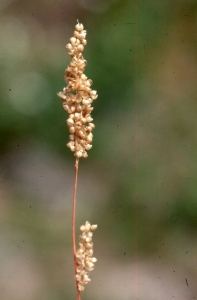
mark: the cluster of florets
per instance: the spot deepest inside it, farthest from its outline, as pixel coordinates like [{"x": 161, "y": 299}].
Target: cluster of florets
[
  {"x": 78, "y": 96},
  {"x": 85, "y": 261}
]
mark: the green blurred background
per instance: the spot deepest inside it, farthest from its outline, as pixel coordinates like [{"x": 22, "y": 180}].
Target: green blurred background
[{"x": 139, "y": 183}]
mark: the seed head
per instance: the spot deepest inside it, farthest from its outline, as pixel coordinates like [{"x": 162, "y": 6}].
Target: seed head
[
  {"x": 78, "y": 96},
  {"x": 85, "y": 261}
]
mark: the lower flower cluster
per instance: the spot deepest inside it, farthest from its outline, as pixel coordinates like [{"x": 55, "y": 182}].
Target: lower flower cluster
[{"x": 85, "y": 261}]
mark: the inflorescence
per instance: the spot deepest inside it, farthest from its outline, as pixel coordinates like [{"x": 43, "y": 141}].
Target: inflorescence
[
  {"x": 85, "y": 261},
  {"x": 77, "y": 97}
]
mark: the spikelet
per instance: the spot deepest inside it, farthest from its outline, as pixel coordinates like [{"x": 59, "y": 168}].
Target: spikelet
[
  {"x": 84, "y": 254},
  {"x": 78, "y": 96}
]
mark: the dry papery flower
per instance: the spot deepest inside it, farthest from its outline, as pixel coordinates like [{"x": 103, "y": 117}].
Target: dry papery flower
[
  {"x": 77, "y": 97},
  {"x": 85, "y": 261}
]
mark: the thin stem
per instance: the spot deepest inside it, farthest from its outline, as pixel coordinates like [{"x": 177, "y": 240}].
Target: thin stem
[{"x": 73, "y": 223}]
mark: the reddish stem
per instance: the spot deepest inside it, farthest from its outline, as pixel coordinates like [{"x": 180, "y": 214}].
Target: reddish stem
[{"x": 73, "y": 224}]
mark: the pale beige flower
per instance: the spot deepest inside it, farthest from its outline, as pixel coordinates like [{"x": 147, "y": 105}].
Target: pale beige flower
[
  {"x": 78, "y": 96},
  {"x": 85, "y": 261}
]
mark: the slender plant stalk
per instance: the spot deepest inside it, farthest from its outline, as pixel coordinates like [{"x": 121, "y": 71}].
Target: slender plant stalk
[
  {"x": 73, "y": 223},
  {"x": 77, "y": 98}
]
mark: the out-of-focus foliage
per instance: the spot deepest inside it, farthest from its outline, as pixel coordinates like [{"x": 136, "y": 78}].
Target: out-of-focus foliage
[{"x": 139, "y": 181}]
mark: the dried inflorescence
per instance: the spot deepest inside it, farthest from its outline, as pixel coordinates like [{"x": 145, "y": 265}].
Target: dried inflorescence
[
  {"x": 77, "y": 97},
  {"x": 85, "y": 261}
]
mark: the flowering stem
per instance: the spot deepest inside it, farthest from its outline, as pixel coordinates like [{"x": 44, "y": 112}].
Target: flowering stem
[
  {"x": 77, "y": 98},
  {"x": 73, "y": 223}
]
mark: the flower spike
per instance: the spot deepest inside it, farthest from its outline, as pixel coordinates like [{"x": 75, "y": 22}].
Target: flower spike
[{"x": 78, "y": 96}]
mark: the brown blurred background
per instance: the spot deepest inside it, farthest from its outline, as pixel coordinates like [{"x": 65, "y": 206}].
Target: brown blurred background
[{"x": 139, "y": 183}]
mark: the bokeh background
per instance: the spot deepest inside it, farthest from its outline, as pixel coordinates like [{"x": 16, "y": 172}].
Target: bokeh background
[{"x": 139, "y": 183}]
